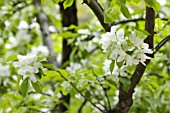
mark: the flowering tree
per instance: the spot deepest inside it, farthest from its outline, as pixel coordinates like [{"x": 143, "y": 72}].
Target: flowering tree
[{"x": 112, "y": 56}]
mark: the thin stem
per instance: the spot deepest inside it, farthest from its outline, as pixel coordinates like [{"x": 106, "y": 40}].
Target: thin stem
[
  {"x": 133, "y": 20},
  {"x": 80, "y": 92},
  {"x": 82, "y": 105},
  {"x": 93, "y": 95},
  {"x": 104, "y": 91}
]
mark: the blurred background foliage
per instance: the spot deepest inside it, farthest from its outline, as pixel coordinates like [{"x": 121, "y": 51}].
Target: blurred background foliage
[{"x": 20, "y": 32}]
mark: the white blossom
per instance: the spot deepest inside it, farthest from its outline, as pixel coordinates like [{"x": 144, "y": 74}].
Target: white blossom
[
  {"x": 40, "y": 50},
  {"x": 27, "y": 66},
  {"x": 4, "y": 70},
  {"x": 73, "y": 68},
  {"x": 128, "y": 50},
  {"x": 106, "y": 67},
  {"x": 119, "y": 71}
]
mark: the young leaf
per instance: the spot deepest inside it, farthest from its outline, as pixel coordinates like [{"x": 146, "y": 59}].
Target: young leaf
[
  {"x": 119, "y": 64},
  {"x": 63, "y": 72},
  {"x": 24, "y": 87},
  {"x": 112, "y": 64},
  {"x": 68, "y": 3},
  {"x": 48, "y": 65},
  {"x": 88, "y": 1},
  {"x": 153, "y": 4},
  {"x": 125, "y": 11},
  {"x": 11, "y": 58},
  {"x": 37, "y": 86}
]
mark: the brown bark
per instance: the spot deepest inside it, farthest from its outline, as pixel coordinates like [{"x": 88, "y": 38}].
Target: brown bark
[
  {"x": 98, "y": 11},
  {"x": 69, "y": 16},
  {"x": 125, "y": 98}
]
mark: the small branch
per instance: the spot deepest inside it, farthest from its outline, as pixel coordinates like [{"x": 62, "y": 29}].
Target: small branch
[
  {"x": 156, "y": 74},
  {"x": 98, "y": 11},
  {"x": 97, "y": 99},
  {"x": 104, "y": 92},
  {"x": 127, "y": 21},
  {"x": 134, "y": 20},
  {"x": 80, "y": 92},
  {"x": 162, "y": 43},
  {"x": 82, "y": 105},
  {"x": 20, "y": 8}
]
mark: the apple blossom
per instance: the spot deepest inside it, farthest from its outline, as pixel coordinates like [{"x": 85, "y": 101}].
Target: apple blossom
[
  {"x": 127, "y": 50},
  {"x": 27, "y": 66}
]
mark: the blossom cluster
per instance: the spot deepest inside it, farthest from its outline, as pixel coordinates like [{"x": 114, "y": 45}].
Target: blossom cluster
[
  {"x": 127, "y": 50},
  {"x": 27, "y": 66}
]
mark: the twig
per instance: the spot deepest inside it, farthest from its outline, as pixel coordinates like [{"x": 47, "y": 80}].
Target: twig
[
  {"x": 82, "y": 105},
  {"x": 20, "y": 8},
  {"x": 95, "y": 96},
  {"x": 98, "y": 11},
  {"x": 133, "y": 20},
  {"x": 80, "y": 92},
  {"x": 156, "y": 74},
  {"x": 104, "y": 92},
  {"x": 162, "y": 43}
]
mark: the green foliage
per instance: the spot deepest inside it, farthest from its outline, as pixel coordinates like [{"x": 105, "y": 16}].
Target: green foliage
[
  {"x": 24, "y": 87},
  {"x": 68, "y": 3},
  {"x": 153, "y": 4},
  {"x": 125, "y": 11},
  {"x": 37, "y": 86},
  {"x": 11, "y": 58},
  {"x": 126, "y": 83},
  {"x": 84, "y": 70}
]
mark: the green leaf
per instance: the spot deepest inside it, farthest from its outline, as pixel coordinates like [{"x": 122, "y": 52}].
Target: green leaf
[
  {"x": 125, "y": 11},
  {"x": 88, "y": 1},
  {"x": 110, "y": 14},
  {"x": 57, "y": 1},
  {"x": 11, "y": 58},
  {"x": 37, "y": 86},
  {"x": 112, "y": 64},
  {"x": 51, "y": 73},
  {"x": 153, "y": 4},
  {"x": 49, "y": 66},
  {"x": 68, "y": 3},
  {"x": 125, "y": 82},
  {"x": 119, "y": 64},
  {"x": 63, "y": 72},
  {"x": 24, "y": 87},
  {"x": 165, "y": 25}
]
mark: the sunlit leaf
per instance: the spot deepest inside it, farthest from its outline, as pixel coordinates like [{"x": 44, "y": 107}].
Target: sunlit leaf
[
  {"x": 24, "y": 87},
  {"x": 11, "y": 58},
  {"x": 153, "y": 4},
  {"x": 37, "y": 86}
]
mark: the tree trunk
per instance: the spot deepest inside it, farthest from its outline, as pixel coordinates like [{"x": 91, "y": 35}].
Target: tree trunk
[{"x": 69, "y": 16}]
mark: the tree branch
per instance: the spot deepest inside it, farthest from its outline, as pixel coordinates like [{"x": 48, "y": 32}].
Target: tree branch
[
  {"x": 98, "y": 11},
  {"x": 82, "y": 105},
  {"x": 133, "y": 20},
  {"x": 125, "y": 98},
  {"x": 162, "y": 43},
  {"x": 80, "y": 92}
]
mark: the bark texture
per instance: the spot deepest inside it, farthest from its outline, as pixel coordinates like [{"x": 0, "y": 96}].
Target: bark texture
[
  {"x": 69, "y": 16},
  {"x": 43, "y": 22}
]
